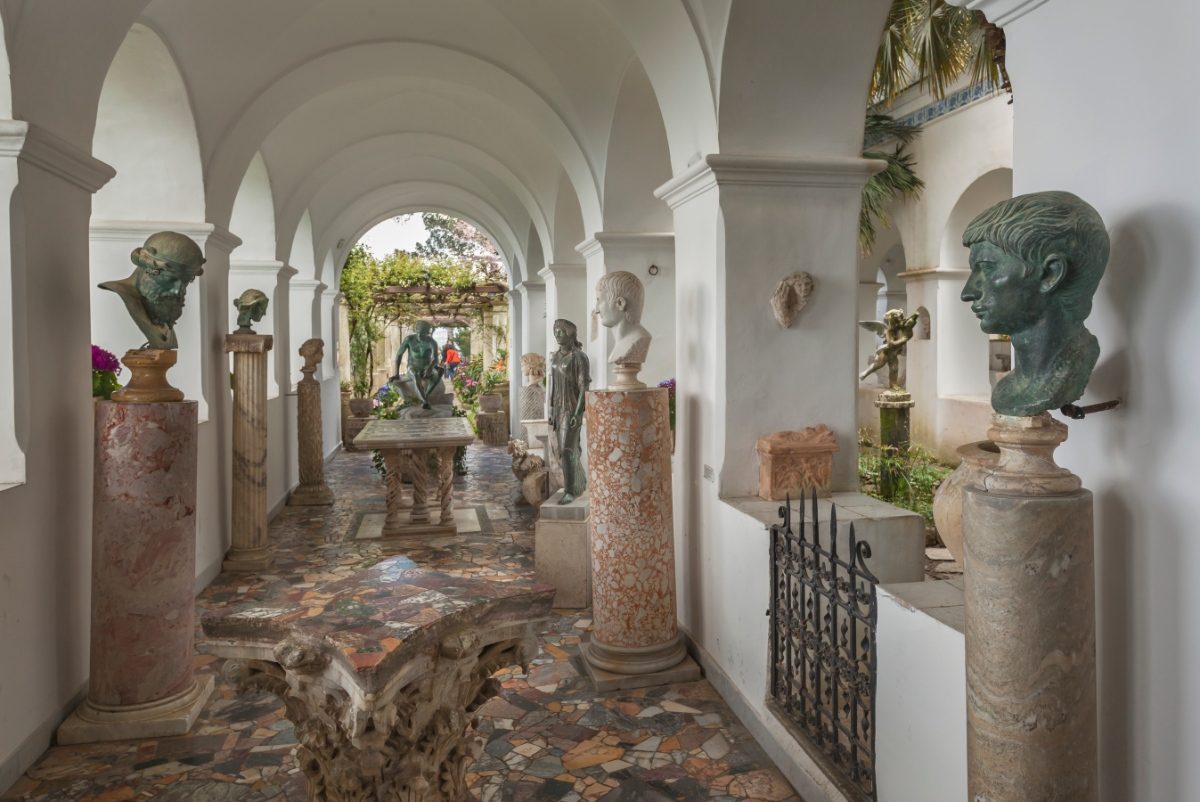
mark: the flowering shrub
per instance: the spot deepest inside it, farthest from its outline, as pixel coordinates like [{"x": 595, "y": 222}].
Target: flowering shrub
[
  {"x": 670, "y": 385},
  {"x": 105, "y": 367}
]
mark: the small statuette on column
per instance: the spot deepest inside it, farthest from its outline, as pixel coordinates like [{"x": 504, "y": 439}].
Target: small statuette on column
[{"x": 312, "y": 490}]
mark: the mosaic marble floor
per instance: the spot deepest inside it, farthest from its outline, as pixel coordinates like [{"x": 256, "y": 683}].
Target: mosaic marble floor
[{"x": 550, "y": 736}]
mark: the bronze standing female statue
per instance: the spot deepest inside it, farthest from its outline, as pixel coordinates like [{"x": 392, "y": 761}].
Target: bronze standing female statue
[{"x": 569, "y": 379}]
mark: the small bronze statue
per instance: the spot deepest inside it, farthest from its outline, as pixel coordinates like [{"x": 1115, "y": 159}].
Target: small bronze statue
[
  {"x": 251, "y": 305},
  {"x": 1036, "y": 261},
  {"x": 569, "y": 380},
  {"x": 154, "y": 293},
  {"x": 424, "y": 362},
  {"x": 896, "y": 330}
]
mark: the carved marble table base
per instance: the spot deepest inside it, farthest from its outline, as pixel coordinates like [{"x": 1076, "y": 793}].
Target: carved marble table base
[
  {"x": 406, "y": 447},
  {"x": 381, "y": 680}
]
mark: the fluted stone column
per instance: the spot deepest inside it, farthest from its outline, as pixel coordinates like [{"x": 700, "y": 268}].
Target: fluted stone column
[
  {"x": 635, "y": 635},
  {"x": 1030, "y": 615},
  {"x": 141, "y": 683},
  {"x": 312, "y": 490},
  {"x": 249, "y": 551}
]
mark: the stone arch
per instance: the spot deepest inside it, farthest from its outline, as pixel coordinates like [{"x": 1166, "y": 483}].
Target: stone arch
[
  {"x": 145, "y": 129},
  {"x": 794, "y": 77},
  {"x": 963, "y": 350},
  {"x": 638, "y": 161},
  {"x": 568, "y": 228},
  {"x": 681, "y": 69},
  {"x": 253, "y": 218},
  {"x": 431, "y": 66},
  {"x": 373, "y": 208},
  {"x": 378, "y": 152}
]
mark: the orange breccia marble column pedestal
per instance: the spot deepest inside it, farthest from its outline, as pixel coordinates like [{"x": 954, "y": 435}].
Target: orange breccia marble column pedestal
[
  {"x": 143, "y": 572},
  {"x": 635, "y": 636}
]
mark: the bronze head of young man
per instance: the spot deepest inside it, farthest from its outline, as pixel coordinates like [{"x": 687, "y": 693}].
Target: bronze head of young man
[{"x": 1036, "y": 261}]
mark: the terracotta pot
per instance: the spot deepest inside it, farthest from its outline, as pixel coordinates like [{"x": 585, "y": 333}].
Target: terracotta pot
[
  {"x": 361, "y": 407},
  {"x": 492, "y": 402},
  {"x": 978, "y": 459}
]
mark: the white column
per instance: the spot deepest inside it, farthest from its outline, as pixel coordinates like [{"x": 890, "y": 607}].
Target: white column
[
  {"x": 533, "y": 323},
  {"x": 962, "y": 348},
  {"x": 516, "y": 346},
  {"x": 635, "y": 252},
  {"x": 303, "y": 295}
]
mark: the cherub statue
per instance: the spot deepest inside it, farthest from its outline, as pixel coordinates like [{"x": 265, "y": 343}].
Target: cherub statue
[
  {"x": 251, "y": 306},
  {"x": 896, "y": 330},
  {"x": 424, "y": 364},
  {"x": 153, "y": 294}
]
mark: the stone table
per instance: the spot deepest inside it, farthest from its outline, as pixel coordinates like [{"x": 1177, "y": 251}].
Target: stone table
[
  {"x": 381, "y": 672},
  {"x": 406, "y": 445}
]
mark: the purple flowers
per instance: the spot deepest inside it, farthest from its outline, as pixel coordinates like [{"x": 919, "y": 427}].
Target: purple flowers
[{"x": 105, "y": 361}]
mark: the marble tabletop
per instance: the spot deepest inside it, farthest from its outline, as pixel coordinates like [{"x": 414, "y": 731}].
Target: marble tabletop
[
  {"x": 375, "y": 621},
  {"x": 415, "y": 433}
]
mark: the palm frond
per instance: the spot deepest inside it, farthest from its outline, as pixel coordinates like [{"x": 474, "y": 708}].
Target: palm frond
[
  {"x": 938, "y": 33},
  {"x": 893, "y": 63},
  {"x": 898, "y": 180},
  {"x": 880, "y": 127}
]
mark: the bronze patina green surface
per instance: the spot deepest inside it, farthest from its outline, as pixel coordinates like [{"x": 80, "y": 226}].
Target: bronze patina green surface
[
  {"x": 153, "y": 294},
  {"x": 1036, "y": 261}
]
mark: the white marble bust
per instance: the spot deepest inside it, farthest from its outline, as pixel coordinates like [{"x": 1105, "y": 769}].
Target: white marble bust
[{"x": 619, "y": 301}]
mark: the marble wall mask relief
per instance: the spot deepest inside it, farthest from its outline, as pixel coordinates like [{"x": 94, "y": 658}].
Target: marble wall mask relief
[{"x": 790, "y": 298}]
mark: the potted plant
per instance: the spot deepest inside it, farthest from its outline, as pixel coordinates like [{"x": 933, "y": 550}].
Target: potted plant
[
  {"x": 361, "y": 403},
  {"x": 105, "y": 368}
]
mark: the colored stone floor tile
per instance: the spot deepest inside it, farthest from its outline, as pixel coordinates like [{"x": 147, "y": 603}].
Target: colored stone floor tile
[{"x": 549, "y": 736}]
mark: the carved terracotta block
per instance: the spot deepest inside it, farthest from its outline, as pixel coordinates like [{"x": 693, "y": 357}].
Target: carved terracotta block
[{"x": 789, "y": 462}]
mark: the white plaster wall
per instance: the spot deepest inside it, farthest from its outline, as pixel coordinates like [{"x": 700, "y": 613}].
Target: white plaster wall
[
  {"x": 45, "y": 523},
  {"x": 1112, "y": 131},
  {"x": 920, "y": 706}
]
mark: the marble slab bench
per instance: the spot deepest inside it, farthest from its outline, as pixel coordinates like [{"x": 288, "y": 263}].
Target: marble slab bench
[{"x": 380, "y": 673}]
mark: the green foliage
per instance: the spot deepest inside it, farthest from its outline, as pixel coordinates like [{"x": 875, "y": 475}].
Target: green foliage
[
  {"x": 898, "y": 180},
  {"x": 459, "y": 242},
  {"x": 390, "y": 404},
  {"x": 917, "y": 474}
]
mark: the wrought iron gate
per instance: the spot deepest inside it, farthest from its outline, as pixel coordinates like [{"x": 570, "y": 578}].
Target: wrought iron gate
[{"x": 823, "y": 616}]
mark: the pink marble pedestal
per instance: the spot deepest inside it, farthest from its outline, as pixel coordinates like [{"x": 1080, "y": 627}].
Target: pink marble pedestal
[
  {"x": 635, "y": 636},
  {"x": 143, "y": 571}
]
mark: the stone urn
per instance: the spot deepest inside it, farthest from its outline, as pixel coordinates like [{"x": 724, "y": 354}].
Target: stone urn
[
  {"x": 978, "y": 460},
  {"x": 491, "y": 402},
  {"x": 361, "y": 407}
]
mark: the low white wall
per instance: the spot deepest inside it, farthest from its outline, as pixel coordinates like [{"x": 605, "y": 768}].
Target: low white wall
[{"x": 920, "y": 699}]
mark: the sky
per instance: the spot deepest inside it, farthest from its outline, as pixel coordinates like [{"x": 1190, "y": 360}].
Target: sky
[{"x": 401, "y": 233}]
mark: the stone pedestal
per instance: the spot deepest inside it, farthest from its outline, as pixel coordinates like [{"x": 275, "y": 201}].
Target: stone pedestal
[
  {"x": 635, "y": 635},
  {"x": 312, "y": 490},
  {"x": 533, "y": 402},
  {"x": 141, "y": 683},
  {"x": 793, "y": 462},
  {"x": 1030, "y": 613},
  {"x": 148, "y": 377},
  {"x": 249, "y": 551},
  {"x": 493, "y": 427},
  {"x": 561, "y": 551},
  {"x": 895, "y": 409}
]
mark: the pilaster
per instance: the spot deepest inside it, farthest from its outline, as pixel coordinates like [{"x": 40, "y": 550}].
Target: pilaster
[{"x": 742, "y": 224}]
